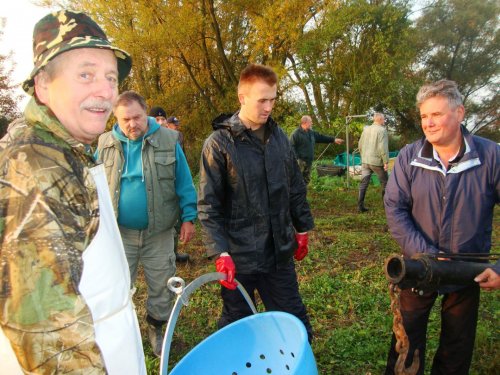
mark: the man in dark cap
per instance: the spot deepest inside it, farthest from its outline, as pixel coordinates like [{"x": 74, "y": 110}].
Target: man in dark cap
[
  {"x": 159, "y": 114},
  {"x": 171, "y": 123},
  {"x": 65, "y": 304},
  {"x": 174, "y": 124}
]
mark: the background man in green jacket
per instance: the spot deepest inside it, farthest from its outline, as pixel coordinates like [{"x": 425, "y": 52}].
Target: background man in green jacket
[
  {"x": 171, "y": 123},
  {"x": 303, "y": 140},
  {"x": 374, "y": 150}
]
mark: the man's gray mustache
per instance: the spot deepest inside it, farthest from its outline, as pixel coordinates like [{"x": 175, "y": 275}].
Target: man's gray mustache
[{"x": 97, "y": 105}]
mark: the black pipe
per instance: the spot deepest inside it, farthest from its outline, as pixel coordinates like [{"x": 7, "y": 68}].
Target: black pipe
[{"x": 424, "y": 272}]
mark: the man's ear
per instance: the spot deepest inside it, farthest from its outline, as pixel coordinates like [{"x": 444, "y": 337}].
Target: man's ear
[
  {"x": 241, "y": 98},
  {"x": 461, "y": 113},
  {"x": 41, "y": 87}
]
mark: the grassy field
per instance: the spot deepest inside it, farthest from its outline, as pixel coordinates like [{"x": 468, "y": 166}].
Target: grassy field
[{"x": 343, "y": 286}]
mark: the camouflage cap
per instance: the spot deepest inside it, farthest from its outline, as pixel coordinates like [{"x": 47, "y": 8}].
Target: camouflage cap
[{"x": 65, "y": 30}]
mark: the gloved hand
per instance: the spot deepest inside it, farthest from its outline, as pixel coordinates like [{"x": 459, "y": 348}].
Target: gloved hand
[
  {"x": 302, "y": 240},
  {"x": 225, "y": 264}
]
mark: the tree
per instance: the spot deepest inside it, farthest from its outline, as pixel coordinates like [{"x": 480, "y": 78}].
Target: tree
[
  {"x": 354, "y": 58},
  {"x": 343, "y": 56},
  {"x": 8, "y": 97},
  {"x": 460, "y": 40},
  {"x": 186, "y": 55}
]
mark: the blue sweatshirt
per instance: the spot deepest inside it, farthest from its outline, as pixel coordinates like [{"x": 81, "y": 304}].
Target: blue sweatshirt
[{"x": 132, "y": 206}]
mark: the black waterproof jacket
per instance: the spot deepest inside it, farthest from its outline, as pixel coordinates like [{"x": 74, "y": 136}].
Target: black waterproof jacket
[
  {"x": 303, "y": 143},
  {"x": 252, "y": 197}
]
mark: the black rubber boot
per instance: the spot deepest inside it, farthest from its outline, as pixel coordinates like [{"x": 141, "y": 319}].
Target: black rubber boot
[{"x": 361, "y": 201}]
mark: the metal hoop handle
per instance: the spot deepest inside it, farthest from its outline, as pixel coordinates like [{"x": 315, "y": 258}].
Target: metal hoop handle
[{"x": 177, "y": 285}]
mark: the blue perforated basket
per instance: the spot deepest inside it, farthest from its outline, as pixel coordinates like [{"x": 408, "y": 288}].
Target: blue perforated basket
[{"x": 265, "y": 343}]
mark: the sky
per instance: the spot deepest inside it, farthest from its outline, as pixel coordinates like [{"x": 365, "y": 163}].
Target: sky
[{"x": 20, "y": 18}]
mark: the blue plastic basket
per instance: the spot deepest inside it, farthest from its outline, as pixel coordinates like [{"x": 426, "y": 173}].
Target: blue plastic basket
[{"x": 266, "y": 343}]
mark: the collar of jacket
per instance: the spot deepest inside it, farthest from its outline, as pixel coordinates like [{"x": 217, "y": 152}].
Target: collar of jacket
[
  {"x": 470, "y": 158},
  {"x": 40, "y": 116},
  {"x": 301, "y": 129},
  {"x": 234, "y": 124}
]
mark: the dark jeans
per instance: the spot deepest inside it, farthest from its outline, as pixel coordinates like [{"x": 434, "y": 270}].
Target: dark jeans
[
  {"x": 459, "y": 311},
  {"x": 279, "y": 291},
  {"x": 366, "y": 173}
]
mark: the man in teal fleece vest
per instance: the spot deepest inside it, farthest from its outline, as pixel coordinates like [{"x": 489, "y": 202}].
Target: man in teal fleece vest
[{"x": 151, "y": 186}]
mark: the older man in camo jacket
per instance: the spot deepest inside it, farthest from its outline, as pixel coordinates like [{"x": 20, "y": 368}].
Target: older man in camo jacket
[{"x": 65, "y": 305}]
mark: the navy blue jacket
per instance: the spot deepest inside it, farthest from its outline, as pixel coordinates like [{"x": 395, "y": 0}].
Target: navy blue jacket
[{"x": 430, "y": 211}]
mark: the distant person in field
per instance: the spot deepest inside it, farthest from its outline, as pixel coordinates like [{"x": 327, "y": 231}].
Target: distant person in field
[
  {"x": 171, "y": 123},
  {"x": 303, "y": 140},
  {"x": 175, "y": 124},
  {"x": 374, "y": 149},
  {"x": 252, "y": 203},
  {"x": 440, "y": 200}
]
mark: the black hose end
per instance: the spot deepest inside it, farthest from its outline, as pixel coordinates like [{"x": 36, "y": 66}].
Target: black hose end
[{"x": 395, "y": 269}]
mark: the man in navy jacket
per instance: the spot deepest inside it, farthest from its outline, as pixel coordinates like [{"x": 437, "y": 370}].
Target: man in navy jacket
[{"x": 440, "y": 199}]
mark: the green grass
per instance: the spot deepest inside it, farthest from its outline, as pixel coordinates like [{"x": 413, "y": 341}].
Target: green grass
[{"x": 343, "y": 286}]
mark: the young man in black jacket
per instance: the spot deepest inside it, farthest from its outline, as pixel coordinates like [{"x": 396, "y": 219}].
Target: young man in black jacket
[{"x": 252, "y": 203}]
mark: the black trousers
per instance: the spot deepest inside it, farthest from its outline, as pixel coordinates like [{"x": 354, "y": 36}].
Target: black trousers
[
  {"x": 459, "y": 311},
  {"x": 305, "y": 168},
  {"x": 279, "y": 291}
]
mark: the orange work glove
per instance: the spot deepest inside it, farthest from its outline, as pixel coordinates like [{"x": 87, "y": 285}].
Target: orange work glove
[
  {"x": 302, "y": 240},
  {"x": 225, "y": 264}
]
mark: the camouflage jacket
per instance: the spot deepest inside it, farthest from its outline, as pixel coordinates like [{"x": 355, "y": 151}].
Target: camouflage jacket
[{"x": 49, "y": 215}]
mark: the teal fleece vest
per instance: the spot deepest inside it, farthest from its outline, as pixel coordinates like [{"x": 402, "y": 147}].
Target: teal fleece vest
[{"x": 158, "y": 158}]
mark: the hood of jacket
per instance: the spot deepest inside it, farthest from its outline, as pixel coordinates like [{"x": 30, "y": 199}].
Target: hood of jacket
[{"x": 233, "y": 123}]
